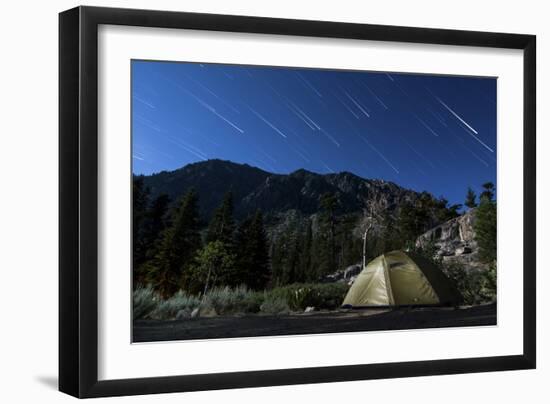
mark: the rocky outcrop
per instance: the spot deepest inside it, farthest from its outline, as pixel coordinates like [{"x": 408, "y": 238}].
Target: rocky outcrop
[
  {"x": 347, "y": 275},
  {"x": 454, "y": 241}
]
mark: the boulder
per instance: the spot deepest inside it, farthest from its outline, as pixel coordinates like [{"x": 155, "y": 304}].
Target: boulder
[{"x": 309, "y": 309}]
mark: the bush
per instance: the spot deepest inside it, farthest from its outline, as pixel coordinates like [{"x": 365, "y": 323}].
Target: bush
[
  {"x": 298, "y": 296},
  {"x": 144, "y": 302},
  {"x": 228, "y": 300},
  {"x": 273, "y": 304},
  {"x": 168, "y": 309},
  {"x": 251, "y": 302},
  {"x": 476, "y": 286}
]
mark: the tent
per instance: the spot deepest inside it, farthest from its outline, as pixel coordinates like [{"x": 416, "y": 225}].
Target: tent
[{"x": 401, "y": 279}]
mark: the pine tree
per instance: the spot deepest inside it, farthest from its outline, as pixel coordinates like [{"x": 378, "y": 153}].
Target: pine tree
[
  {"x": 279, "y": 245},
  {"x": 285, "y": 255},
  {"x": 470, "y": 198},
  {"x": 416, "y": 218},
  {"x": 292, "y": 259},
  {"x": 318, "y": 257},
  {"x": 305, "y": 260},
  {"x": 222, "y": 224},
  {"x": 260, "y": 273},
  {"x": 252, "y": 252},
  {"x": 155, "y": 223},
  {"x": 442, "y": 210},
  {"x": 387, "y": 238},
  {"x": 140, "y": 201},
  {"x": 409, "y": 223},
  {"x": 488, "y": 192},
  {"x": 180, "y": 242},
  {"x": 328, "y": 205},
  {"x": 485, "y": 225}
]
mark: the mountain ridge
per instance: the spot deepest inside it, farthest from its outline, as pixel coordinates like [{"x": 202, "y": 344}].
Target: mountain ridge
[{"x": 254, "y": 188}]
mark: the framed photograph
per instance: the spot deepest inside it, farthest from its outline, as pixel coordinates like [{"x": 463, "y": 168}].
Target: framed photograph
[{"x": 250, "y": 202}]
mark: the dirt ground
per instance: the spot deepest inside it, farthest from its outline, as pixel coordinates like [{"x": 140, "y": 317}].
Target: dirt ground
[{"x": 312, "y": 323}]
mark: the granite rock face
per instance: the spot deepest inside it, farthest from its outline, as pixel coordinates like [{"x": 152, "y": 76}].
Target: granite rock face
[{"x": 454, "y": 241}]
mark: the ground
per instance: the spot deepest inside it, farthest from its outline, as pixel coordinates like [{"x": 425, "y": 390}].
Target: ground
[{"x": 312, "y": 323}]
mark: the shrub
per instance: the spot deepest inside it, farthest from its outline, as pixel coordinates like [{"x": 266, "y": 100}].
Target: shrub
[
  {"x": 144, "y": 302},
  {"x": 273, "y": 304},
  {"x": 476, "y": 286},
  {"x": 321, "y": 296},
  {"x": 222, "y": 300},
  {"x": 168, "y": 309},
  {"x": 490, "y": 285},
  {"x": 228, "y": 300},
  {"x": 251, "y": 302}
]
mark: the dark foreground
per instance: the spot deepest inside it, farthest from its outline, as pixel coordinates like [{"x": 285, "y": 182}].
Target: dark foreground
[{"x": 312, "y": 323}]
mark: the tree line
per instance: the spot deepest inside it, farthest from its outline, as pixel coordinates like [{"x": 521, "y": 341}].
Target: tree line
[
  {"x": 173, "y": 249},
  {"x": 170, "y": 253}
]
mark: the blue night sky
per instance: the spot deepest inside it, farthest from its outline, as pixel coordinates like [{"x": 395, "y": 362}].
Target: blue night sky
[{"x": 424, "y": 132}]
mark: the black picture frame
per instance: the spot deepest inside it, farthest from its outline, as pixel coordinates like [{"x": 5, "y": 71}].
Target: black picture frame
[{"x": 78, "y": 201}]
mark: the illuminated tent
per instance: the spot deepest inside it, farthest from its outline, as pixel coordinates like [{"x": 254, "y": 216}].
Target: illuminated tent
[{"x": 401, "y": 279}]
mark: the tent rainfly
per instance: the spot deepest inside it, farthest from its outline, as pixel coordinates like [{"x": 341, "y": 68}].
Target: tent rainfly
[{"x": 401, "y": 279}]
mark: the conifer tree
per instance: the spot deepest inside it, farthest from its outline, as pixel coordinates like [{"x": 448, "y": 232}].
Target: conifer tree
[
  {"x": 470, "y": 198},
  {"x": 155, "y": 223},
  {"x": 252, "y": 252},
  {"x": 328, "y": 205},
  {"x": 261, "y": 252},
  {"x": 279, "y": 245},
  {"x": 409, "y": 222},
  {"x": 486, "y": 224},
  {"x": 222, "y": 224},
  {"x": 488, "y": 192},
  {"x": 179, "y": 244},
  {"x": 305, "y": 260},
  {"x": 140, "y": 201},
  {"x": 284, "y": 257},
  {"x": 292, "y": 256},
  {"x": 350, "y": 247}
]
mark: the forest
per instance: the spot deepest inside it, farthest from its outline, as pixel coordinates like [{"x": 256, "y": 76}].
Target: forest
[{"x": 175, "y": 250}]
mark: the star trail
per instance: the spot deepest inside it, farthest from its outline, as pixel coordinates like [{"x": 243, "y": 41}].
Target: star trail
[{"x": 423, "y": 132}]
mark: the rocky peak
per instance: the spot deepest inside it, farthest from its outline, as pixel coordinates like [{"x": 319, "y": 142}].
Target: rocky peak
[{"x": 274, "y": 194}]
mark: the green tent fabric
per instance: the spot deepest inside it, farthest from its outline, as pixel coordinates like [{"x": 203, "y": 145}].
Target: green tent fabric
[{"x": 401, "y": 279}]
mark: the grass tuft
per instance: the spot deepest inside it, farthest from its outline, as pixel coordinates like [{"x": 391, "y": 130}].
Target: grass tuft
[{"x": 145, "y": 301}]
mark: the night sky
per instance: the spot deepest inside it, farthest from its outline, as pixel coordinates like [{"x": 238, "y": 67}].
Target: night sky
[{"x": 424, "y": 132}]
